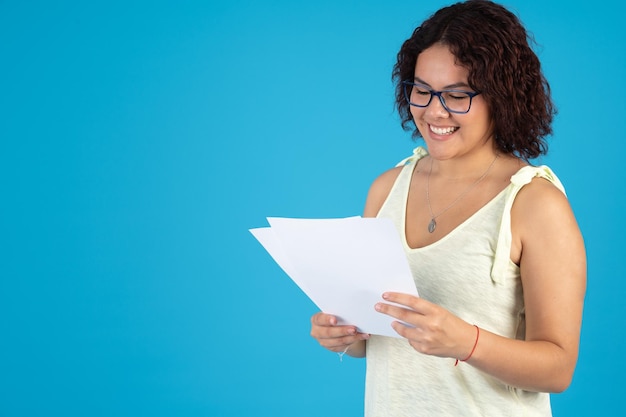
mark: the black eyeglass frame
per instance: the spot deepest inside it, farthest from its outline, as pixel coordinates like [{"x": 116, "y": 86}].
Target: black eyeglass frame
[{"x": 408, "y": 85}]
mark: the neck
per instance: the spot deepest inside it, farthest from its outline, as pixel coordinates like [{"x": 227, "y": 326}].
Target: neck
[{"x": 465, "y": 167}]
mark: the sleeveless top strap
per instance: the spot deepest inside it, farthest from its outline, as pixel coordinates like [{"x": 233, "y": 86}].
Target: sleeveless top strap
[
  {"x": 502, "y": 260},
  {"x": 418, "y": 153}
]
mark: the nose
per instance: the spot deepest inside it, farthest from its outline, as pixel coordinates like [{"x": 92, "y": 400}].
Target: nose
[{"x": 436, "y": 108}]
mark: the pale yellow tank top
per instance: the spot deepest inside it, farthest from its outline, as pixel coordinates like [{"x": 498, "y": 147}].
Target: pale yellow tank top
[{"x": 468, "y": 272}]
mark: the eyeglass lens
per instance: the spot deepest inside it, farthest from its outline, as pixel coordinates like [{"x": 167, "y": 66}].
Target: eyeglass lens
[{"x": 421, "y": 96}]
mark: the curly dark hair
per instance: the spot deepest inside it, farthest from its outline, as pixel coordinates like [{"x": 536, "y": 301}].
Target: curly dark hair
[{"x": 494, "y": 46}]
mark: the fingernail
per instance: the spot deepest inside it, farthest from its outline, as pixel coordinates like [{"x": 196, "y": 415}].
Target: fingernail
[{"x": 378, "y": 307}]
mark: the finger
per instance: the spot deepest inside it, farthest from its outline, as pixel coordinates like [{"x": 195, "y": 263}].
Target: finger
[
  {"x": 401, "y": 313},
  {"x": 341, "y": 343},
  {"x": 336, "y": 336},
  {"x": 323, "y": 319},
  {"x": 332, "y": 332},
  {"x": 414, "y": 303},
  {"x": 324, "y": 326},
  {"x": 408, "y": 323},
  {"x": 403, "y": 329}
]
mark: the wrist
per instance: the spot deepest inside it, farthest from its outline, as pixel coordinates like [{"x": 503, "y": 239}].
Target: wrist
[{"x": 471, "y": 352}]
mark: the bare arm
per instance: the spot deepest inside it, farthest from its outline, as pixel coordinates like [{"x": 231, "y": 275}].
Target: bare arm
[
  {"x": 379, "y": 191},
  {"x": 553, "y": 268}
]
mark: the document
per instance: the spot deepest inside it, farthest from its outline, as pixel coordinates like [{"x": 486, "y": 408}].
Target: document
[{"x": 343, "y": 265}]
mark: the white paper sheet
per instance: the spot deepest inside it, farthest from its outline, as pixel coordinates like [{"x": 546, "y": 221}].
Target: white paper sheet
[{"x": 342, "y": 265}]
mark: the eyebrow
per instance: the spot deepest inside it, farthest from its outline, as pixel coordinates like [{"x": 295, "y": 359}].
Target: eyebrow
[{"x": 455, "y": 85}]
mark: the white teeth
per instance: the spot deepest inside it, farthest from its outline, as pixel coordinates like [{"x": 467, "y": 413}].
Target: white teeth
[{"x": 442, "y": 130}]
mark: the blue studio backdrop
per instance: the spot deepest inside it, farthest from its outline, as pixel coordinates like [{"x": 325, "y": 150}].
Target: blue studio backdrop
[{"x": 140, "y": 140}]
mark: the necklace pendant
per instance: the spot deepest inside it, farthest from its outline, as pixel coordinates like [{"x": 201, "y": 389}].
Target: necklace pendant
[{"x": 432, "y": 226}]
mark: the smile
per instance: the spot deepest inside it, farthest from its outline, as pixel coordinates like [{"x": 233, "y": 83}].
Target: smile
[{"x": 442, "y": 130}]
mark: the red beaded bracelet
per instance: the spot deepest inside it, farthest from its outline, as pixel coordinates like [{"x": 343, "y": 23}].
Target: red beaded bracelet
[{"x": 473, "y": 349}]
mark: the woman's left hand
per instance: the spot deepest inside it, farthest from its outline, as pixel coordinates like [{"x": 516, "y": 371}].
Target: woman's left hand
[{"x": 429, "y": 328}]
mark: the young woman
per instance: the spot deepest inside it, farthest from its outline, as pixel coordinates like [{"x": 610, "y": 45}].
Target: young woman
[{"x": 495, "y": 250}]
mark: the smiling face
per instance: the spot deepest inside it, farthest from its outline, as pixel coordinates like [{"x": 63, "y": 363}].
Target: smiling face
[{"x": 449, "y": 135}]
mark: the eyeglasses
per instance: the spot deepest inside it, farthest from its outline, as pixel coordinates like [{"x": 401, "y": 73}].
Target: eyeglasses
[{"x": 454, "y": 101}]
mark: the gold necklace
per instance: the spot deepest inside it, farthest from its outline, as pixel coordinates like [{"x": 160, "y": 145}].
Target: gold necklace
[{"x": 432, "y": 225}]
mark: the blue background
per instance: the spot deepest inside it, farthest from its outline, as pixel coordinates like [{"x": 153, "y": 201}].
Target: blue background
[{"x": 141, "y": 140}]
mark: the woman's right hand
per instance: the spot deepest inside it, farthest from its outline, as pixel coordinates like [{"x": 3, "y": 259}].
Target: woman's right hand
[{"x": 337, "y": 338}]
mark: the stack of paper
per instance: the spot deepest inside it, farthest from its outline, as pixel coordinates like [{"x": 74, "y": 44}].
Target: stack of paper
[{"x": 343, "y": 265}]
